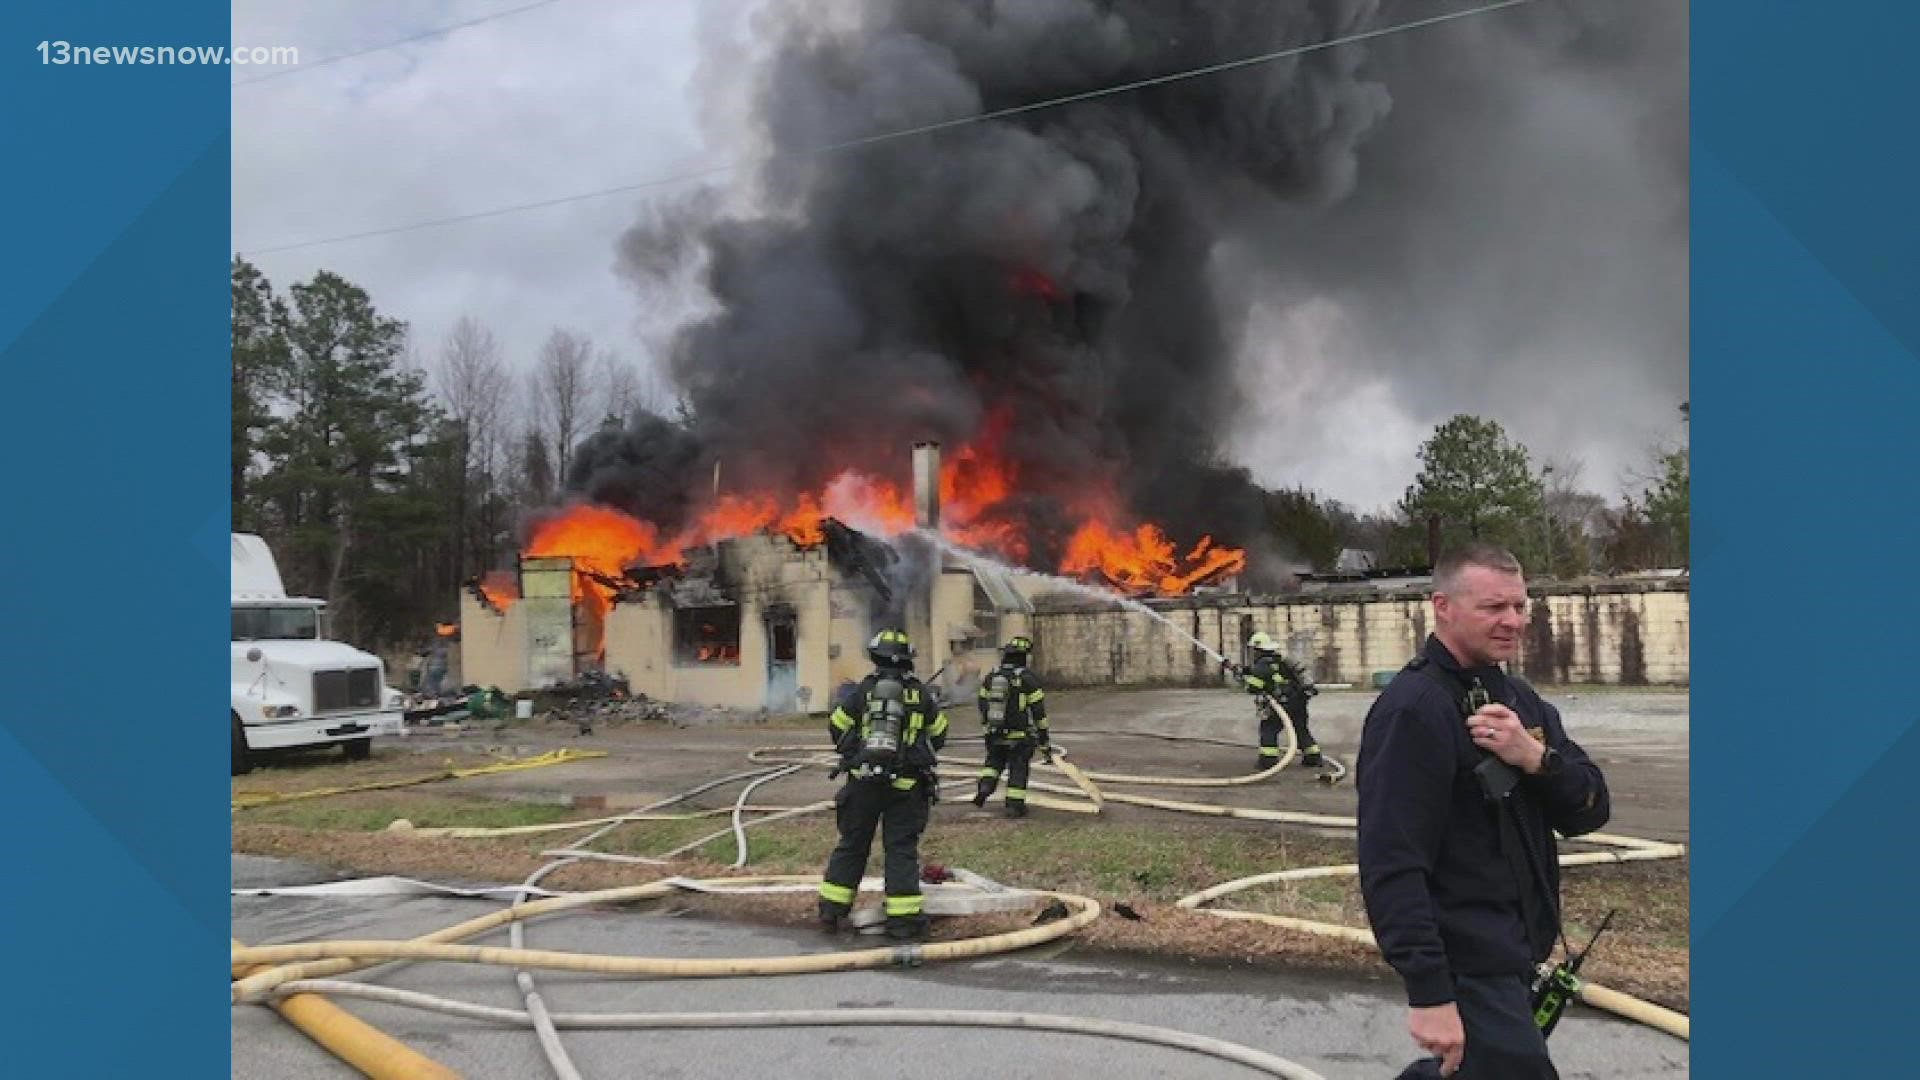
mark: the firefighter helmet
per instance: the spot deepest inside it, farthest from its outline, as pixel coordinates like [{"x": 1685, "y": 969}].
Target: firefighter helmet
[
  {"x": 1262, "y": 642},
  {"x": 890, "y": 649}
]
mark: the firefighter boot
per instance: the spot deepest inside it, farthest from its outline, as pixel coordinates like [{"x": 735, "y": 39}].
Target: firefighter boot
[
  {"x": 1016, "y": 808},
  {"x": 1312, "y": 758},
  {"x": 983, "y": 788},
  {"x": 907, "y": 927},
  {"x": 830, "y": 915}
]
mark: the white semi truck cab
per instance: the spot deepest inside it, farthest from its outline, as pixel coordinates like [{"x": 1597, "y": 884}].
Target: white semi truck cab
[{"x": 292, "y": 686}]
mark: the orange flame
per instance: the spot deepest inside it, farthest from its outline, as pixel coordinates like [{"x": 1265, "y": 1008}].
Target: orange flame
[
  {"x": 974, "y": 482},
  {"x": 500, "y": 588},
  {"x": 1143, "y": 561},
  {"x": 445, "y": 629},
  {"x": 802, "y": 524},
  {"x": 602, "y": 541},
  {"x": 977, "y": 484}
]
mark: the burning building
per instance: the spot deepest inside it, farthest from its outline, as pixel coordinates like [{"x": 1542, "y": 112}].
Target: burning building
[
  {"x": 1059, "y": 296},
  {"x": 768, "y": 612}
]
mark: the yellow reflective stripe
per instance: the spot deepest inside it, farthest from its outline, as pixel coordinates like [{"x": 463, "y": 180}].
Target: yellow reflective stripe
[
  {"x": 1016, "y": 793},
  {"x": 939, "y": 723},
  {"x": 1256, "y": 683},
  {"x": 1312, "y": 748},
  {"x": 1269, "y": 751},
  {"x": 905, "y": 783},
  {"x": 1037, "y": 695},
  {"x": 905, "y": 905},
  {"x": 989, "y": 773},
  {"x": 840, "y": 720},
  {"x": 838, "y": 894}
]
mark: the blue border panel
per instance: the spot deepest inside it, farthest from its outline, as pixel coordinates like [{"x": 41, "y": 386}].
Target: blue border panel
[
  {"x": 1806, "y": 277},
  {"x": 113, "y": 344}
]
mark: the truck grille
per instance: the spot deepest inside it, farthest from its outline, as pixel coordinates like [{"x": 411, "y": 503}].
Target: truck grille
[{"x": 354, "y": 688}]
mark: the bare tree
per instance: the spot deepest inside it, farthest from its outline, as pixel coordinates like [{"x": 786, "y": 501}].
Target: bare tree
[
  {"x": 1568, "y": 504},
  {"x": 472, "y": 383},
  {"x": 1576, "y": 518},
  {"x": 564, "y": 382},
  {"x": 619, "y": 386},
  {"x": 535, "y": 470}
]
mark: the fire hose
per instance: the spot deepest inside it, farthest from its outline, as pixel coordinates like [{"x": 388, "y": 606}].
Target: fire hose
[
  {"x": 248, "y": 799},
  {"x": 1336, "y": 770},
  {"x": 313, "y": 959},
  {"x": 543, "y": 1026},
  {"x": 1628, "y": 849},
  {"x": 347, "y": 953},
  {"x": 1632, "y": 849},
  {"x": 847, "y": 1017}
]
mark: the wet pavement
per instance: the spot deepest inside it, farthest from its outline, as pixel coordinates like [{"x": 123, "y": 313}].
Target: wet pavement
[
  {"x": 1345, "y": 1029},
  {"x": 1639, "y": 737}
]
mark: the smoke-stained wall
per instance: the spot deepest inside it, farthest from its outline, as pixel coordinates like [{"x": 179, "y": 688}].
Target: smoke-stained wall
[{"x": 1628, "y": 633}]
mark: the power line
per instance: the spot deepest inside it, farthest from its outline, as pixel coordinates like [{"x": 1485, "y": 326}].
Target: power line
[
  {"x": 422, "y": 36},
  {"x": 902, "y": 133}
]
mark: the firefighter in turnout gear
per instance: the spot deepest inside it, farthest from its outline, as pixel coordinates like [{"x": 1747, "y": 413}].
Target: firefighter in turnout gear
[
  {"x": 1013, "y": 710},
  {"x": 887, "y": 730},
  {"x": 1272, "y": 675}
]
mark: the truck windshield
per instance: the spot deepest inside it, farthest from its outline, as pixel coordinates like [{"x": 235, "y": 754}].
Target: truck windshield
[{"x": 276, "y": 624}]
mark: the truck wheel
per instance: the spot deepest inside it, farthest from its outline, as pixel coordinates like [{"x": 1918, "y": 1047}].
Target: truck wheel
[
  {"x": 242, "y": 759},
  {"x": 358, "y": 749}
]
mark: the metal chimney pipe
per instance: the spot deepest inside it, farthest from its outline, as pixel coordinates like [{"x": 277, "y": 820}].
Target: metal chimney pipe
[
  {"x": 926, "y": 485},
  {"x": 926, "y": 515}
]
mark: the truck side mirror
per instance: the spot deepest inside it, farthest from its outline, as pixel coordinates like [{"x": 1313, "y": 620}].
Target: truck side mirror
[{"x": 253, "y": 655}]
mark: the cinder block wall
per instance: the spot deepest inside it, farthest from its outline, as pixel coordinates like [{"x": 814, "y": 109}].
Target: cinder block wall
[
  {"x": 493, "y": 646},
  {"x": 1628, "y": 633}
]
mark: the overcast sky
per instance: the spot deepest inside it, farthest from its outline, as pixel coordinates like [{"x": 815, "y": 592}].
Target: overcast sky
[{"x": 578, "y": 95}]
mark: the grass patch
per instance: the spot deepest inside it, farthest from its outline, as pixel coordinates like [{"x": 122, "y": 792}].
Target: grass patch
[
  {"x": 282, "y": 773},
  {"x": 373, "y": 811},
  {"x": 1147, "y": 866},
  {"x": 1645, "y": 952}
]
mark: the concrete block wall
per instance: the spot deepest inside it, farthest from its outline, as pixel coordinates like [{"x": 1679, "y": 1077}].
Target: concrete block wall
[
  {"x": 493, "y": 646},
  {"x": 1628, "y": 633},
  {"x": 1627, "y": 638},
  {"x": 769, "y": 570}
]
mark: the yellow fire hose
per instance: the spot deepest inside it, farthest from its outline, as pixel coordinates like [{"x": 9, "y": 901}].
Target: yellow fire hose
[
  {"x": 837, "y": 1017},
  {"x": 448, "y": 832},
  {"x": 1286, "y": 758},
  {"x": 246, "y": 799},
  {"x": 1631, "y": 849},
  {"x": 345, "y": 954},
  {"x": 315, "y": 959},
  {"x": 1281, "y": 763},
  {"x": 352, "y": 1039},
  {"x": 1677, "y": 1024},
  {"x": 1628, "y": 849}
]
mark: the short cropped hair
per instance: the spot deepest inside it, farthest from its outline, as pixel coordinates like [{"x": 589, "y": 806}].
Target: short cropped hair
[{"x": 1446, "y": 573}]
